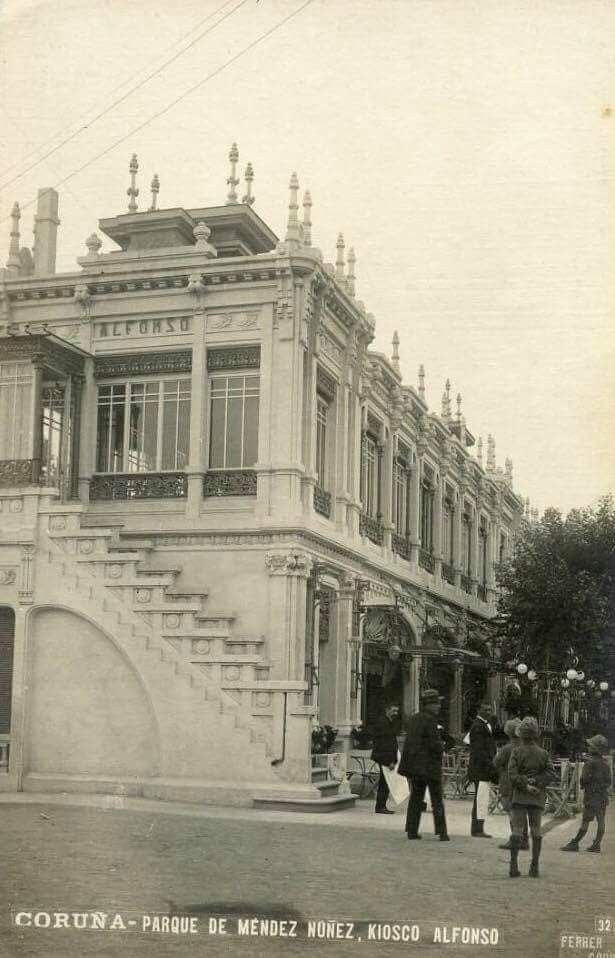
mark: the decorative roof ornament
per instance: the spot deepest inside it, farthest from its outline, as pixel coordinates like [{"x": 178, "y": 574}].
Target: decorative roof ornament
[
  {"x": 93, "y": 244},
  {"x": 459, "y": 407},
  {"x": 350, "y": 279},
  {"x": 422, "y": 381},
  {"x": 339, "y": 262},
  {"x": 479, "y": 451},
  {"x": 490, "y": 453},
  {"x": 395, "y": 342},
  {"x": 232, "y": 180},
  {"x": 446, "y": 402},
  {"x": 248, "y": 198},
  {"x": 508, "y": 470},
  {"x": 307, "y": 218},
  {"x": 293, "y": 232},
  {"x": 13, "y": 262},
  {"x": 132, "y": 190},
  {"x": 201, "y": 233},
  {"x": 155, "y": 188}
]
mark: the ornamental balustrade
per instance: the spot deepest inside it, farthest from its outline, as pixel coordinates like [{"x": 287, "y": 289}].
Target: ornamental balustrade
[
  {"x": 448, "y": 573},
  {"x": 230, "y": 482},
  {"x": 19, "y": 472},
  {"x": 322, "y": 501},
  {"x": 466, "y": 583},
  {"x": 400, "y": 545},
  {"x": 153, "y": 485},
  {"x": 427, "y": 561},
  {"x": 371, "y": 528}
]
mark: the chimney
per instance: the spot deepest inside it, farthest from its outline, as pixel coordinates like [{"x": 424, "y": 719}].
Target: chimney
[{"x": 46, "y": 224}]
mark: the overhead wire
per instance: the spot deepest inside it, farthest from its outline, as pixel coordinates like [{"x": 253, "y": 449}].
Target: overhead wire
[
  {"x": 121, "y": 99},
  {"x": 178, "y": 99},
  {"x": 41, "y": 146}
]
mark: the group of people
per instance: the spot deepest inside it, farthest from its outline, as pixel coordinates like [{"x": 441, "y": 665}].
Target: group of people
[{"x": 522, "y": 769}]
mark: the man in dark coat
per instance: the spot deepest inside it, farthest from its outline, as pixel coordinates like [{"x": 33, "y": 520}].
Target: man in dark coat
[
  {"x": 421, "y": 763},
  {"x": 481, "y": 770},
  {"x": 385, "y": 753}
]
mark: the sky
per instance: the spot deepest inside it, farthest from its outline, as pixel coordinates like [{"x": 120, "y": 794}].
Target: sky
[{"x": 465, "y": 148}]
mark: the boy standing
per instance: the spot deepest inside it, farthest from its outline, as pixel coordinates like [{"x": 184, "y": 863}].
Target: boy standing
[
  {"x": 501, "y": 760},
  {"x": 529, "y": 769},
  {"x": 596, "y": 781}
]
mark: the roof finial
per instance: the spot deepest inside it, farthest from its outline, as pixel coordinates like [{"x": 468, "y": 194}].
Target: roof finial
[
  {"x": 201, "y": 233},
  {"x": 132, "y": 190},
  {"x": 293, "y": 233},
  {"x": 490, "y": 453},
  {"x": 508, "y": 470},
  {"x": 395, "y": 356},
  {"x": 350, "y": 279},
  {"x": 446, "y": 402},
  {"x": 458, "y": 407},
  {"x": 479, "y": 451},
  {"x": 248, "y": 199},
  {"x": 93, "y": 244},
  {"x": 13, "y": 262},
  {"x": 155, "y": 188},
  {"x": 339, "y": 263},
  {"x": 422, "y": 381},
  {"x": 232, "y": 180},
  {"x": 307, "y": 218}
]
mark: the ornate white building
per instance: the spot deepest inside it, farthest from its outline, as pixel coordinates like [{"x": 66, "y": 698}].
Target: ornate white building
[{"x": 223, "y": 515}]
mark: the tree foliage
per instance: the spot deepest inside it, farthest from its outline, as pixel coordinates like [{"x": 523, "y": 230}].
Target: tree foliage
[{"x": 558, "y": 591}]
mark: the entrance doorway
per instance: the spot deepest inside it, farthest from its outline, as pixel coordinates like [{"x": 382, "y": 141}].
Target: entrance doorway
[
  {"x": 388, "y": 646},
  {"x": 7, "y": 641}
]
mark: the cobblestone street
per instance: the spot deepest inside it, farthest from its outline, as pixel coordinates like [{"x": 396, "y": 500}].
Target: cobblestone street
[{"x": 149, "y": 859}]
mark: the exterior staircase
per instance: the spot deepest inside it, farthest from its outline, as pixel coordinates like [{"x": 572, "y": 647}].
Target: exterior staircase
[{"x": 216, "y": 681}]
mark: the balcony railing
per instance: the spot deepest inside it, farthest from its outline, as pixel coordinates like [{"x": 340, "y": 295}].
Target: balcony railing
[
  {"x": 482, "y": 592},
  {"x": 400, "y": 545},
  {"x": 466, "y": 583},
  {"x": 322, "y": 501},
  {"x": 5, "y": 745},
  {"x": 371, "y": 528},
  {"x": 19, "y": 472},
  {"x": 230, "y": 482},
  {"x": 448, "y": 573},
  {"x": 151, "y": 485},
  {"x": 427, "y": 561}
]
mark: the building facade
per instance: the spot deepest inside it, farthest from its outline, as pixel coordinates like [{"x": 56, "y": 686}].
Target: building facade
[{"x": 224, "y": 517}]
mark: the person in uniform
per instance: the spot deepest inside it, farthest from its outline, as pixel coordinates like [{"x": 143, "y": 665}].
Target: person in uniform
[
  {"x": 530, "y": 769},
  {"x": 595, "y": 782},
  {"x": 421, "y": 764},
  {"x": 384, "y": 752}
]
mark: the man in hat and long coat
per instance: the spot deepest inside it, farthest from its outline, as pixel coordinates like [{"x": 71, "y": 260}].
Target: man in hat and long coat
[
  {"x": 421, "y": 763},
  {"x": 481, "y": 770}
]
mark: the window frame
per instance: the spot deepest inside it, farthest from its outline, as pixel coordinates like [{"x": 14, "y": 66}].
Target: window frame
[{"x": 229, "y": 374}]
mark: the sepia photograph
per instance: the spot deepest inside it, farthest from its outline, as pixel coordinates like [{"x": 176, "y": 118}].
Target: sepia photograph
[{"x": 307, "y": 478}]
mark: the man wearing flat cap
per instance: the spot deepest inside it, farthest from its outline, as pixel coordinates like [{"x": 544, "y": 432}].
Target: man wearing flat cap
[
  {"x": 481, "y": 770},
  {"x": 421, "y": 763}
]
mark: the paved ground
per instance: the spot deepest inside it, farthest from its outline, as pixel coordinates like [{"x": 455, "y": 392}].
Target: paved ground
[{"x": 150, "y": 859}]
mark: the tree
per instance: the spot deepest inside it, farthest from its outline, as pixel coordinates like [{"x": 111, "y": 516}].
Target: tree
[{"x": 558, "y": 592}]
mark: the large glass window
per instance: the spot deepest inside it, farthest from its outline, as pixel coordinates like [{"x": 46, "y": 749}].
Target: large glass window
[
  {"x": 427, "y": 494},
  {"x": 143, "y": 426},
  {"x": 322, "y": 410},
  {"x": 233, "y": 436},
  {"x": 53, "y": 421},
  {"x": 369, "y": 476},
  {"x": 15, "y": 400},
  {"x": 401, "y": 481}
]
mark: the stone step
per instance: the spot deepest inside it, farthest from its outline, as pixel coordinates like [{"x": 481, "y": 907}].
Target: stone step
[
  {"x": 328, "y": 787},
  {"x": 319, "y": 774},
  {"x": 334, "y": 803}
]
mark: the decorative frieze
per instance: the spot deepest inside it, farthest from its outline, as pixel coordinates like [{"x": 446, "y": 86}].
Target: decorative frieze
[
  {"x": 234, "y": 357},
  {"x": 232, "y": 322},
  {"x": 231, "y": 482},
  {"x": 288, "y": 563},
  {"x": 164, "y": 485},
  {"x": 144, "y": 364},
  {"x": 26, "y": 585},
  {"x": 8, "y": 575}
]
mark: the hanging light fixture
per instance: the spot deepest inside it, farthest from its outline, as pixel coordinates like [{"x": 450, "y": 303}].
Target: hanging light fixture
[
  {"x": 522, "y": 668},
  {"x": 590, "y": 683},
  {"x": 572, "y": 674},
  {"x": 580, "y": 676},
  {"x": 565, "y": 683},
  {"x": 532, "y": 675},
  {"x": 604, "y": 686}
]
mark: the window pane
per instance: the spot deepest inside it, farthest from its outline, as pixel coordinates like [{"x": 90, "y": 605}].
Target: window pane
[
  {"x": 217, "y": 431},
  {"x": 183, "y": 436},
  {"x": 150, "y": 437},
  {"x": 250, "y": 454},
  {"x": 234, "y": 423}
]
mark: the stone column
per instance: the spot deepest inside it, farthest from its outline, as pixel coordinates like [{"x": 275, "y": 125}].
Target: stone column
[
  {"x": 437, "y": 526},
  {"x": 414, "y": 506},
  {"x": 287, "y": 589},
  {"x": 19, "y": 710},
  {"x": 386, "y": 496},
  {"x": 36, "y": 425},
  {"x": 456, "y": 702},
  {"x": 199, "y": 386},
  {"x": 475, "y": 573},
  {"x": 458, "y": 537},
  {"x": 87, "y": 431},
  {"x": 343, "y": 453}
]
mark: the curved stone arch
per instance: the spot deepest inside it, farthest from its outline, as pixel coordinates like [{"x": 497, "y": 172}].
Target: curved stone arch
[
  {"x": 408, "y": 639},
  {"x": 134, "y": 670}
]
